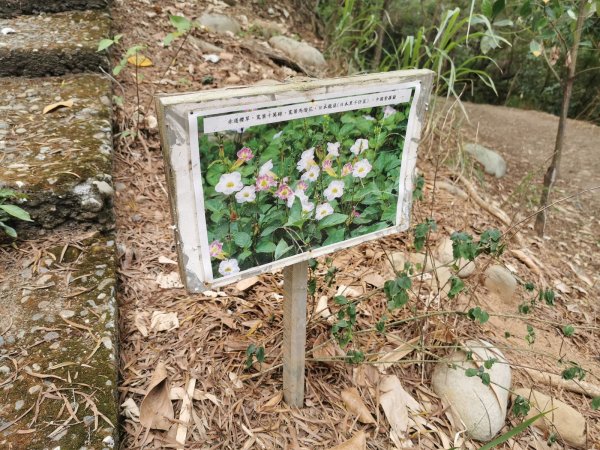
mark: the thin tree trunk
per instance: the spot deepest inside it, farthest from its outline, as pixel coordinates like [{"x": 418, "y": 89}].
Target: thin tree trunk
[
  {"x": 552, "y": 172},
  {"x": 380, "y": 37}
]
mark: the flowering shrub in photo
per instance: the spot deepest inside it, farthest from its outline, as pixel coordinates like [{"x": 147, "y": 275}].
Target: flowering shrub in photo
[{"x": 276, "y": 190}]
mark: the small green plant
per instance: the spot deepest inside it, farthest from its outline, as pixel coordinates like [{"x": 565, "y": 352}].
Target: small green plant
[
  {"x": 343, "y": 328},
  {"x": 521, "y": 406},
  {"x": 9, "y": 211},
  {"x": 396, "y": 291},
  {"x": 254, "y": 353}
]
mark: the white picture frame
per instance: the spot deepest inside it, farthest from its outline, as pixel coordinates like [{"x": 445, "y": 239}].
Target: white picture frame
[{"x": 178, "y": 119}]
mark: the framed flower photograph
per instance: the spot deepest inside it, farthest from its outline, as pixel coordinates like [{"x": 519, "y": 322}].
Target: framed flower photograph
[{"x": 267, "y": 176}]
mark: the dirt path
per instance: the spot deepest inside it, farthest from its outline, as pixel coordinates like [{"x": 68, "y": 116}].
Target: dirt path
[{"x": 526, "y": 140}]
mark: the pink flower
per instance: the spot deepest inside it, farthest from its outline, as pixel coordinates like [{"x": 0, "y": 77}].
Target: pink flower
[
  {"x": 245, "y": 154},
  {"x": 265, "y": 182},
  {"x": 327, "y": 164},
  {"x": 216, "y": 249},
  {"x": 347, "y": 169},
  {"x": 302, "y": 185},
  {"x": 284, "y": 192},
  {"x": 355, "y": 213}
]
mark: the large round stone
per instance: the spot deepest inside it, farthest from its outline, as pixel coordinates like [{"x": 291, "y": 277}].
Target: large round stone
[
  {"x": 501, "y": 282},
  {"x": 482, "y": 408}
]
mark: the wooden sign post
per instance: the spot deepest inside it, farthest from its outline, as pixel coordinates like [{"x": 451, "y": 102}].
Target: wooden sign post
[
  {"x": 294, "y": 332},
  {"x": 267, "y": 177}
]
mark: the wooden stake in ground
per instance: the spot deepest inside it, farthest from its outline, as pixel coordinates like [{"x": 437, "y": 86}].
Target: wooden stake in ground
[{"x": 295, "y": 280}]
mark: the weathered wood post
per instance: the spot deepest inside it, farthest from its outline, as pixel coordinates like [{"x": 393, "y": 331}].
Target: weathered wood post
[{"x": 295, "y": 279}]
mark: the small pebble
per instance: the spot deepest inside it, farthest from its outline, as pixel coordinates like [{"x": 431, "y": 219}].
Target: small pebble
[
  {"x": 19, "y": 404},
  {"x": 66, "y": 313},
  {"x": 88, "y": 420},
  {"x": 4, "y": 370},
  {"x": 21, "y": 130},
  {"x": 33, "y": 389},
  {"x": 36, "y": 367},
  {"x": 50, "y": 336}
]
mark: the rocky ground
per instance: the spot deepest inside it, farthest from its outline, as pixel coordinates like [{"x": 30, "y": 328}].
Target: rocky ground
[{"x": 171, "y": 341}]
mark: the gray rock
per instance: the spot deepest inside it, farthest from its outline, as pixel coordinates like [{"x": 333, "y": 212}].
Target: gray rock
[
  {"x": 492, "y": 162},
  {"x": 19, "y": 405},
  {"x": 50, "y": 336},
  {"x": 219, "y": 23},
  {"x": 501, "y": 282},
  {"x": 66, "y": 313},
  {"x": 301, "y": 52},
  {"x": 482, "y": 409},
  {"x": 4, "y": 370}
]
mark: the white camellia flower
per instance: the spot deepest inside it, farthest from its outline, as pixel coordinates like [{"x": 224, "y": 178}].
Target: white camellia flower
[
  {"x": 359, "y": 146},
  {"x": 323, "y": 210},
  {"x": 307, "y": 159},
  {"x": 307, "y": 207},
  {"x": 334, "y": 190},
  {"x": 229, "y": 183},
  {"x": 333, "y": 148},
  {"x": 266, "y": 168},
  {"x": 228, "y": 267},
  {"x": 247, "y": 194},
  {"x": 388, "y": 111},
  {"x": 361, "y": 168},
  {"x": 311, "y": 174}
]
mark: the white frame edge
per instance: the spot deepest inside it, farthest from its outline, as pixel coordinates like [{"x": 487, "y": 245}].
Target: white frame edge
[{"x": 178, "y": 133}]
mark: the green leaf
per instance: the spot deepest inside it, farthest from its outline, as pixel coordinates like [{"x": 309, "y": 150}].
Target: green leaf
[
  {"x": 489, "y": 363},
  {"x": 489, "y": 242},
  {"x": 463, "y": 246},
  {"x": 485, "y": 378},
  {"x": 16, "y": 212},
  {"x": 181, "y": 23},
  {"x": 487, "y": 8},
  {"x": 260, "y": 354},
  {"x": 104, "y": 44},
  {"x": 596, "y": 403},
  {"x": 7, "y": 193},
  {"x": 265, "y": 246},
  {"x": 10, "y": 231},
  {"x": 521, "y": 406},
  {"x": 334, "y": 236},
  {"x": 478, "y": 314},
  {"x": 242, "y": 239},
  {"x": 332, "y": 219},
  {"x": 421, "y": 231},
  {"x": 456, "y": 286},
  {"x": 281, "y": 249},
  {"x": 568, "y": 330},
  {"x": 471, "y": 372},
  {"x": 355, "y": 357}
]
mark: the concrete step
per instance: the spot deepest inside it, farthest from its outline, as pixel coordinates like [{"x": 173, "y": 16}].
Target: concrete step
[
  {"x": 10, "y": 8},
  {"x": 62, "y": 160},
  {"x": 58, "y": 349},
  {"x": 53, "y": 44}
]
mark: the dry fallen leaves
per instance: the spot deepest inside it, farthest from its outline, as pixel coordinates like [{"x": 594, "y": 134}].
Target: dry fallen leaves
[
  {"x": 169, "y": 281},
  {"x": 357, "y": 442},
  {"x": 392, "y": 402},
  {"x": 140, "y": 60},
  {"x": 54, "y": 106},
  {"x": 356, "y": 406},
  {"x": 162, "y": 321},
  {"x": 156, "y": 410}
]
